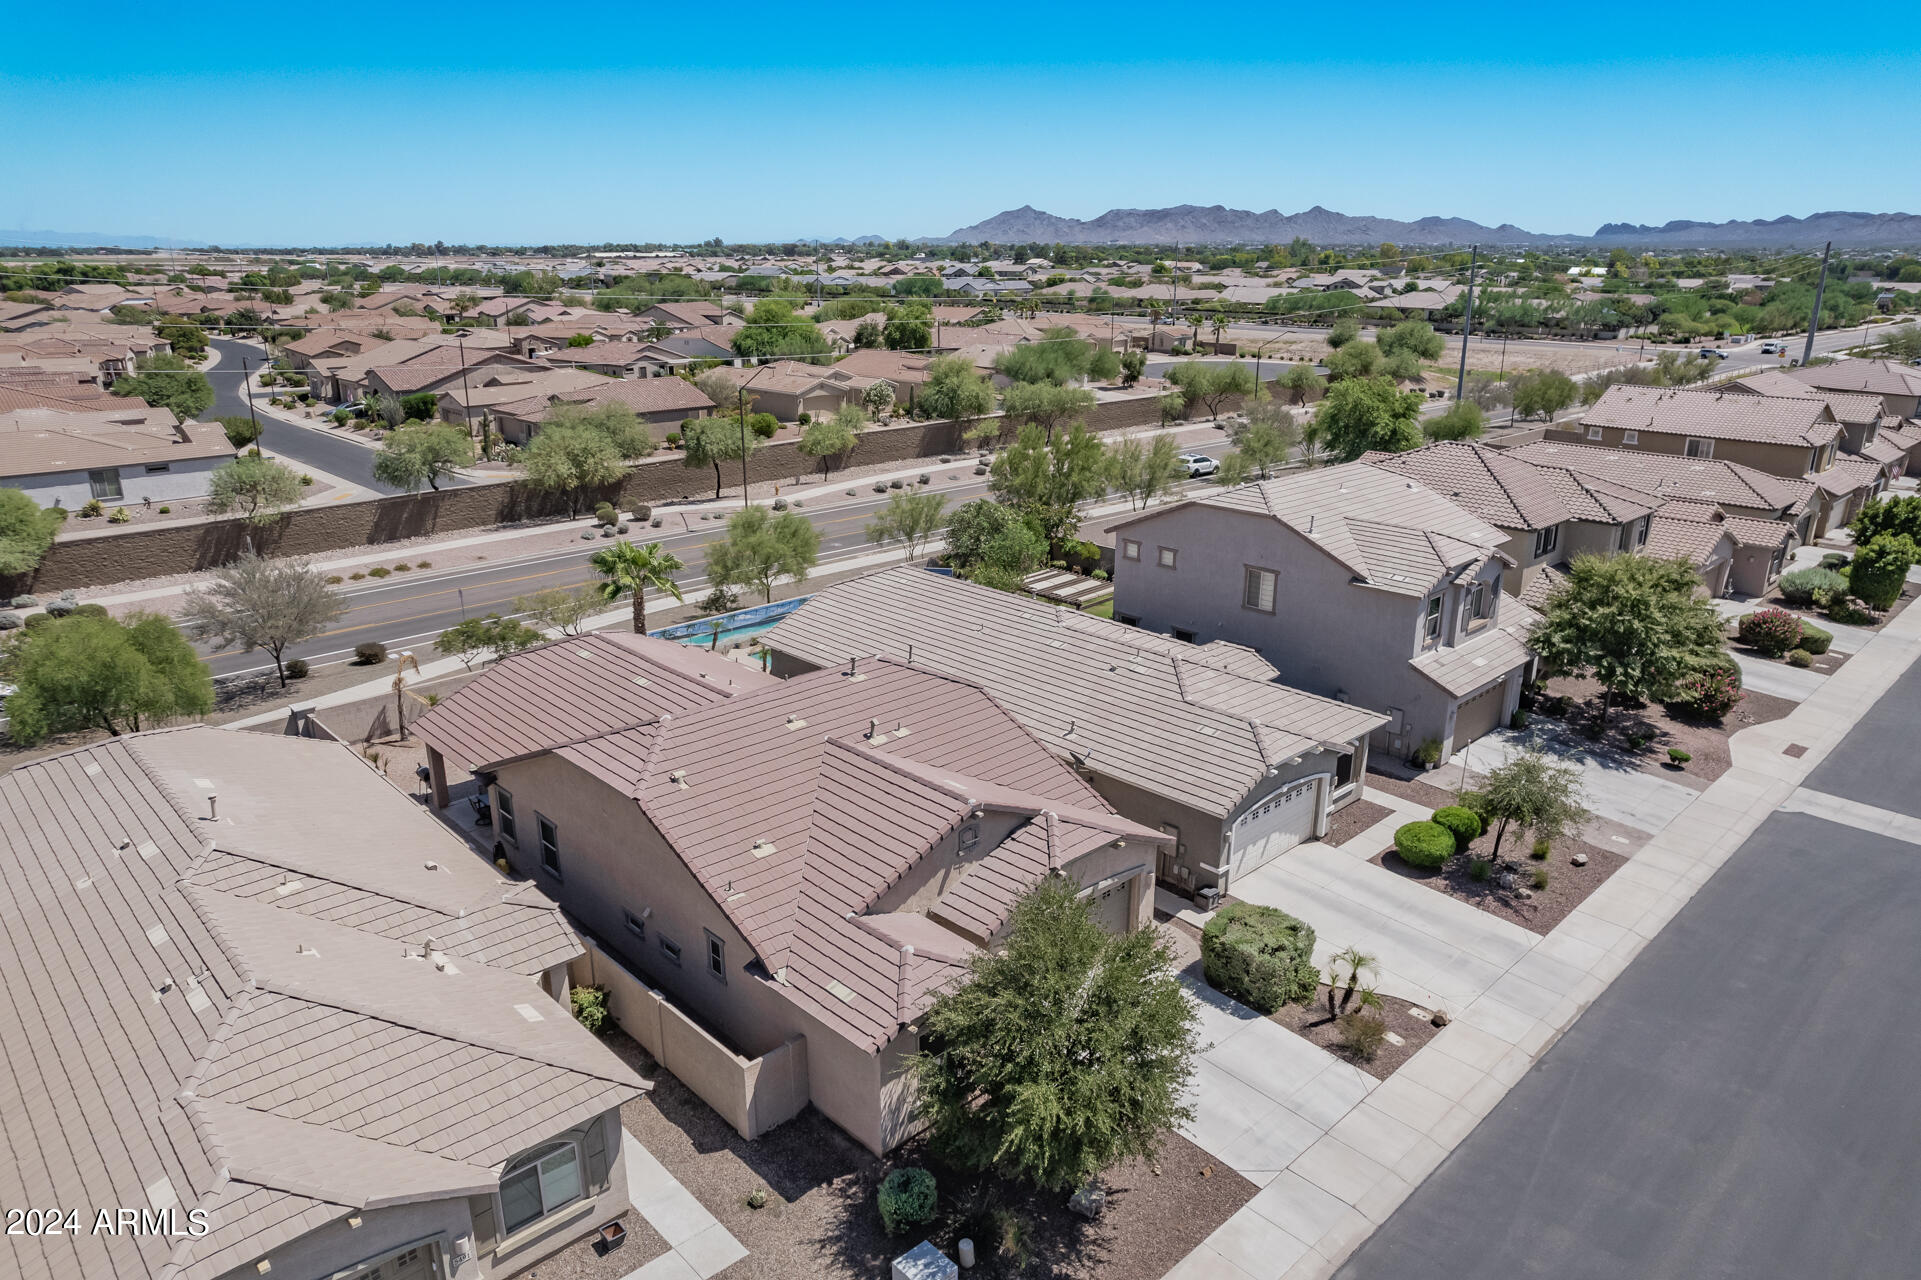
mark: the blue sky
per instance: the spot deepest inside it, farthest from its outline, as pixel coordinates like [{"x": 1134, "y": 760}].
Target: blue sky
[{"x": 535, "y": 123}]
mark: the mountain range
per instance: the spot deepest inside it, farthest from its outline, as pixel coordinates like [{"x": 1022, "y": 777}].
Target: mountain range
[{"x": 1217, "y": 224}]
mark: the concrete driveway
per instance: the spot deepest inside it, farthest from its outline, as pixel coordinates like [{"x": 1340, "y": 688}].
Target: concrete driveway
[
  {"x": 1761, "y": 675},
  {"x": 1616, "y": 789}
]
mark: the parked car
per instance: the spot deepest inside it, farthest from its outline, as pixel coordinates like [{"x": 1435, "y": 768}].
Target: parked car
[
  {"x": 1198, "y": 465},
  {"x": 1715, "y": 352}
]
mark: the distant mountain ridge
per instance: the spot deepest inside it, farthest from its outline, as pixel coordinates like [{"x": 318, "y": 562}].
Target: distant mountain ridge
[{"x": 1217, "y": 224}]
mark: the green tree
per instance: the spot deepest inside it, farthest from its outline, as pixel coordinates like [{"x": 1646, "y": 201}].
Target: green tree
[
  {"x": 955, "y": 390},
  {"x": 559, "y": 609},
  {"x": 89, "y": 672},
  {"x": 1345, "y": 330},
  {"x": 1047, "y": 481},
  {"x": 1133, "y": 366},
  {"x": 1880, "y": 569},
  {"x": 241, "y": 432},
  {"x": 421, "y": 453},
  {"x": 421, "y": 406},
  {"x": 1534, "y": 791},
  {"x": 977, "y": 526},
  {"x": 167, "y": 382},
  {"x": 1210, "y": 385},
  {"x": 1270, "y": 436},
  {"x": 1635, "y": 623},
  {"x": 1897, "y": 515},
  {"x": 1463, "y": 420},
  {"x": 878, "y": 400},
  {"x": 571, "y": 459},
  {"x": 1364, "y": 414},
  {"x": 708, "y": 442},
  {"x": 908, "y": 332},
  {"x": 1064, "y": 1050},
  {"x": 263, "y": 604},
  {"x": 909, "y": 519},
  {"x": 1544, "y": 394},
  {"x": 1301, "y": 382},
  {"x": 26, "y": 532},
  {"x": 620, "y": 425},
  {"x": 255, "y": 488},
  {"x": 476, "y": 637},
  {"x": 1143, "y": 470},
  {"x": 627, "y": 569},
  {"x": 867, "y": 334},
  {"x": 829, "y": 438},
  {"x": 761, "y": 548},
  {"x": 1046, "y": 405},
  {"x": 1416, "y": 337},
  {"x": 1355, "y": 360},
  {"x": 1059, "y": 356},
  {"x": 774, "y": 330}
]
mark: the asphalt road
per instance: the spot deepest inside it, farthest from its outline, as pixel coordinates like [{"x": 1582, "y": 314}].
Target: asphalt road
[
  {"x": 1740, "y": 1103},
  {"x": 351, "y": 462}
]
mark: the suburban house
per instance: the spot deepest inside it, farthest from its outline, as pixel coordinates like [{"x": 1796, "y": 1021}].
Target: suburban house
[
  {"x": 311, "y": 1032},
  {"x": 468, "y": 400},
  {"x": 1552, "y": 513},
  {"x": 1898, "y": 385},
  {"x": 1355, "y": 583},
  {"x": 613, "y": 359},
  {"x": 789, "y": 388},
  {"x": 905, "y": 371},
  {"x": 692, "y": 314},
  {"x": 785, "y": 860},
  {"x": 1868, "y": 430},
  {"x": 121, "y": 454},
  {"x": 438, "y": 368},
  {"x": 656, "y": 401},
  {"x": 1196, "y": 741}
]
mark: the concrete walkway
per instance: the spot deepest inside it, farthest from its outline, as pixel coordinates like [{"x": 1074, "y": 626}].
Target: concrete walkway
[
  {"x": 1762, "y": 675},
  {"x": 1615, "y": 788},
  {"x": 1309, "y": 1216},
  {"x": 698, "y": 1246}
]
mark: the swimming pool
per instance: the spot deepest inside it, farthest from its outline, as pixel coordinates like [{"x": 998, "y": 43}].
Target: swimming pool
[{"x": 738, "y": 627}]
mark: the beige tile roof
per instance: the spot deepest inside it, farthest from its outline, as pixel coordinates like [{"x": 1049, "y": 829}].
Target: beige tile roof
[
  {"x": 1846, "y": 406},
  {"x": 1510, "y": 492},
  {"x": 1872, "y": 377},
  {"x": 41, "y": 441},
  {"x": 1849, "y": 474},
  {"x": 1714, "y": 414},
  {"x": 1671, "y": 476},
  {"x": 1493, "y": 655},
  {"x": 193, "y": 995},
  {"x": 1197, "y": 724},
  {"x": 1394, "y": 533},
  {"x": 1675, "y": 537}
]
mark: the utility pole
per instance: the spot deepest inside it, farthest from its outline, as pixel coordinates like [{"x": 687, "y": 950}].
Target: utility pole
[
  {"x": 1814, "y": 320},
  {"x": 1467, "y": 321},
  {"x": 461, "y": 344},
  {"x": 246, "y": 380}
]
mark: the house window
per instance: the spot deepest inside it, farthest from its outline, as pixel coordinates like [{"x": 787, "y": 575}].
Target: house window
[
  {"x": 504, "y": 811},
  {"x": 716, "y": 957},
  {"x": 1183, "y": 635},
  {"x": 540, "y": 1183},
  {"x": 104, "y": 484},
  {"x": 1641, "y": 532},
  {"x": 1594, "y": 433},
  {"x": 549, "y": 845},
  {"x": 1630, "y": 437},
  {"x": 1257, "y": 589},
  {"x": 1167, "y": 555},
  {"x": 671, "y": 950},
  {"x": 158, "y": 468},
  {"x": 1627, "y": 537},
  {"x": 1700, "y": 448},
  {"x": 1431, "y": 624},
  {"x": 1343, "y": 770},
  {"x": 1546, "y": 540},
  {"x": 635, "y": 925},
  {"x": 1475, "y": 607},
  {"x": 1130, "y": 549}
]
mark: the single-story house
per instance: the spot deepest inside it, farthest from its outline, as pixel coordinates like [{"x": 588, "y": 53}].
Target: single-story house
[
  {"x": 656, "y": 401},
  {"x": 124, "y": 454}
]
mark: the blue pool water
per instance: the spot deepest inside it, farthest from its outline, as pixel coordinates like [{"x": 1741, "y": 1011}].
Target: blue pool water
[{"x": 735, "y": 628}]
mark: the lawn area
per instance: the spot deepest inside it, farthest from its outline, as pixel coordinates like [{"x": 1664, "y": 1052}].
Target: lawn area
[{"x": 1105, "y": 609}]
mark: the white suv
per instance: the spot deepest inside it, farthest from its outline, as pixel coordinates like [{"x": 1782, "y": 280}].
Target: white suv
[{"x": 1198, "y": 465}]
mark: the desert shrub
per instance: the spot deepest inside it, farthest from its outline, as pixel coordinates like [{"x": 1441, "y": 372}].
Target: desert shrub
[
  {"x": 120, "y": 516},
  {"x": 1800, "y": 658},
  {"x": 297, "y": 669},
  {"x": 356, "y": 576},
  {"x": 423, "y": 564},
  {"x": 1814, "y": 639},
  {"x": 34, "y": 621},
  {"x": 26, "y": 602},
  {"x": 91, "y": 611},
  {"x": 92, "y": 507},
  {"x": 1362, "y": 1033},
  {"x": 1801, "y": 587},
  {"x": 403, "y": 567},
  {"x": 1710, "y": 691},
  {"x": 907, "y": 1200},
  {"x": 1424, "y": 844},
  {"x": 1540, "y": 877},
  {"x": 166, "y": 511},
  {"x": 590, "y": 1008},
  {"x": 370, "y": 653},
  {"x": 1542, "y": 847},
  {"x": 1678, "y": 756},
  {"x": 379, "y": 571},
  {"x": 1464, "y": 823},
  {"x": 764, "y": 425},
  {"x": 1833, "y": 560},
  {"x": 1479, "y": 870},
  {"x": 1849, "y": 612},
  {"x": 1772, "y": 631},
  {"x": 61, "y": 608},
  {"x": 604, "y": 512},
  {"x": 1261, "y": 956}
]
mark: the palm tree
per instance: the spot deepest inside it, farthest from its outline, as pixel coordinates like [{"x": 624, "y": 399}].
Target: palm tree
[
  {"x": 1355, "y": 962},
  {"x": 626, "y": 567}
]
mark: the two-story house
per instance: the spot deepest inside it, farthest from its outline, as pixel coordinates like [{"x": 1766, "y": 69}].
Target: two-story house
[
  {"x": 1898, "y": 385},
  {"x": 1354, "y": 583},
  {"x": 1868, "y": 431},
  {"x": 804, "y": 859}
]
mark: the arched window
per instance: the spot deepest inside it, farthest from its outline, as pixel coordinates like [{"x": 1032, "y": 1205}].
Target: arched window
[{"x": 539, "y": 1183}]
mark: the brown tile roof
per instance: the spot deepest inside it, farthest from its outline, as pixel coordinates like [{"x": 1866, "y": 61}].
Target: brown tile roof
[
  {"x": 1666, "y": 475},
  {"x": 42, "y": 441},
  {"x": 1872, "y": 377},
  {"x": 1493, "y": 655},
  {"x": 1848, "y": 475},
  {"x": 1675, "y": 537},
  {"x": 1711, "y": 413},
  {"x": 1846, "y": 406},
  {"x": 370, "y": 1072},
  {"x": 1197, "y": 724},
  {"x": 1509, "y": 492}
]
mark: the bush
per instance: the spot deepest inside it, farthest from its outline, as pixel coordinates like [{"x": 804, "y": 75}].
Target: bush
[
  {"x": 643, "y": 512},
  {"x": 297, "y": 669},
  {"x": 1802, "y": 587},
  {"x": 1424, "y": 844},
  {"x": 1261, "y": 956},
  {"x": 91, "y": 611},
  {"x": 34, "y": 621},
  {"x": 423, "y": 564},
  {"x": 1479, "y": 870},
  {"x": 1428, "y": 754},
  {"x": 1814, "y": 639},
  {"x": 1849, "y": 612},
  {"x": 673, "y": 439},
  {"x": 370, "y": 653},
  {"x": 379, "y": 571},
  {"x": 92, "y": 507},
  {"x": 1772, "y": 631},
  {"x": 1800, "y": 658},
  {"x": 26, "y": 602},
  {"x": 1464, "y": 823},
  {"x": 805, "y": 418},
  {"x": 356, "y": 576},
  {"x": 61, "y": 608},
  {"x": 1678, "y": 756},
  {"x": 1362, "y": 1033},
  {"x": 1711, "y": 691},
  {"x": 590, "y": 1008},
  {"x": 166, "y": 511},
  {"x": 1518, "y": 720},
  {"x": 1542, "y": 847},
  {"x": 604, "y": 512},
  {"x": 1540, "y": 877},
  {"x": 907, "y": 1200},
  {"x": 763, "y": 425},
  {"x": 1832, "y": 560},
  {"x": 120, "y": 516},
  {"x": 896, "y": 484}
]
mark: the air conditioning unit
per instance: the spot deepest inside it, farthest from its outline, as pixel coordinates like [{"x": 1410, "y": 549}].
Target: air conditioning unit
[{"x": 1207, "y": 899}]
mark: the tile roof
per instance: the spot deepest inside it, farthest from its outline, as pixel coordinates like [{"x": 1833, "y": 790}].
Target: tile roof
[
  {"x": 1872, "y": 377},
  {"x": 1197, "y": 724},
  {"x": 1673, "y": 536},
  {"x": 1394, "y": 533},
  {"x": 242, "y": 1056},
  {"x": 1510, "y": 492},
  {"x": 1493, "y": 655},
  {"x": 1846, "y": 406},
  {"x": 1712, "y": 413},
  {"x": 44, "y": 440},
  {"x": 1666, "y": 475}
]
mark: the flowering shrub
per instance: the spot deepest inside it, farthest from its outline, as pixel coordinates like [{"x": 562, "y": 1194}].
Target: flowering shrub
[
  {"x": 1772, "y": 631},
  {"x": 1710, "y": 692}
]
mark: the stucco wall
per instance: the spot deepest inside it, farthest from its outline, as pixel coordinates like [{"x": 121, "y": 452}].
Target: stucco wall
[
  {"x": 73, "y": 490},
  {"x": 1792, "y": 461}
]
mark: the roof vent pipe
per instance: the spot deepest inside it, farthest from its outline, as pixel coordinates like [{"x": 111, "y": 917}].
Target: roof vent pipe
[{"x": 213, "y": 808}]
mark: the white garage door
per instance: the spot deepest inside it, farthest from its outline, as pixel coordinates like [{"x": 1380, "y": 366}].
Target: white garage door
[
  {"x": 1109, "y": 906},
  {"x": 1274, "y": 826}
]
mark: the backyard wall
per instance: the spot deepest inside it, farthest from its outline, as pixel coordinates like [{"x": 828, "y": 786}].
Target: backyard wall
[{"x": 751, "y": 1094}]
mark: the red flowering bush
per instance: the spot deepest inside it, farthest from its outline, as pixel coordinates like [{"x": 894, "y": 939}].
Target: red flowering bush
[
  {"x": 1772, "y": 631},
  {"x": 1709, "y": 692}
]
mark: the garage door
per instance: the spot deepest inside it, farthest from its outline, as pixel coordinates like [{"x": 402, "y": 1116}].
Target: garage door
[
  {"x": 1274, "y": 826},
  {"x": 1109, "y": 906},
  {"x": 1478, "y": 715},
  {"x": 409, "y": 1264}
]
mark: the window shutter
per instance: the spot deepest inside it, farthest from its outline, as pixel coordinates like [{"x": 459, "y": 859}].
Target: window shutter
[
  {"x": 482, "y": 1209},
  {"x": 595, "y": 1149}
]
